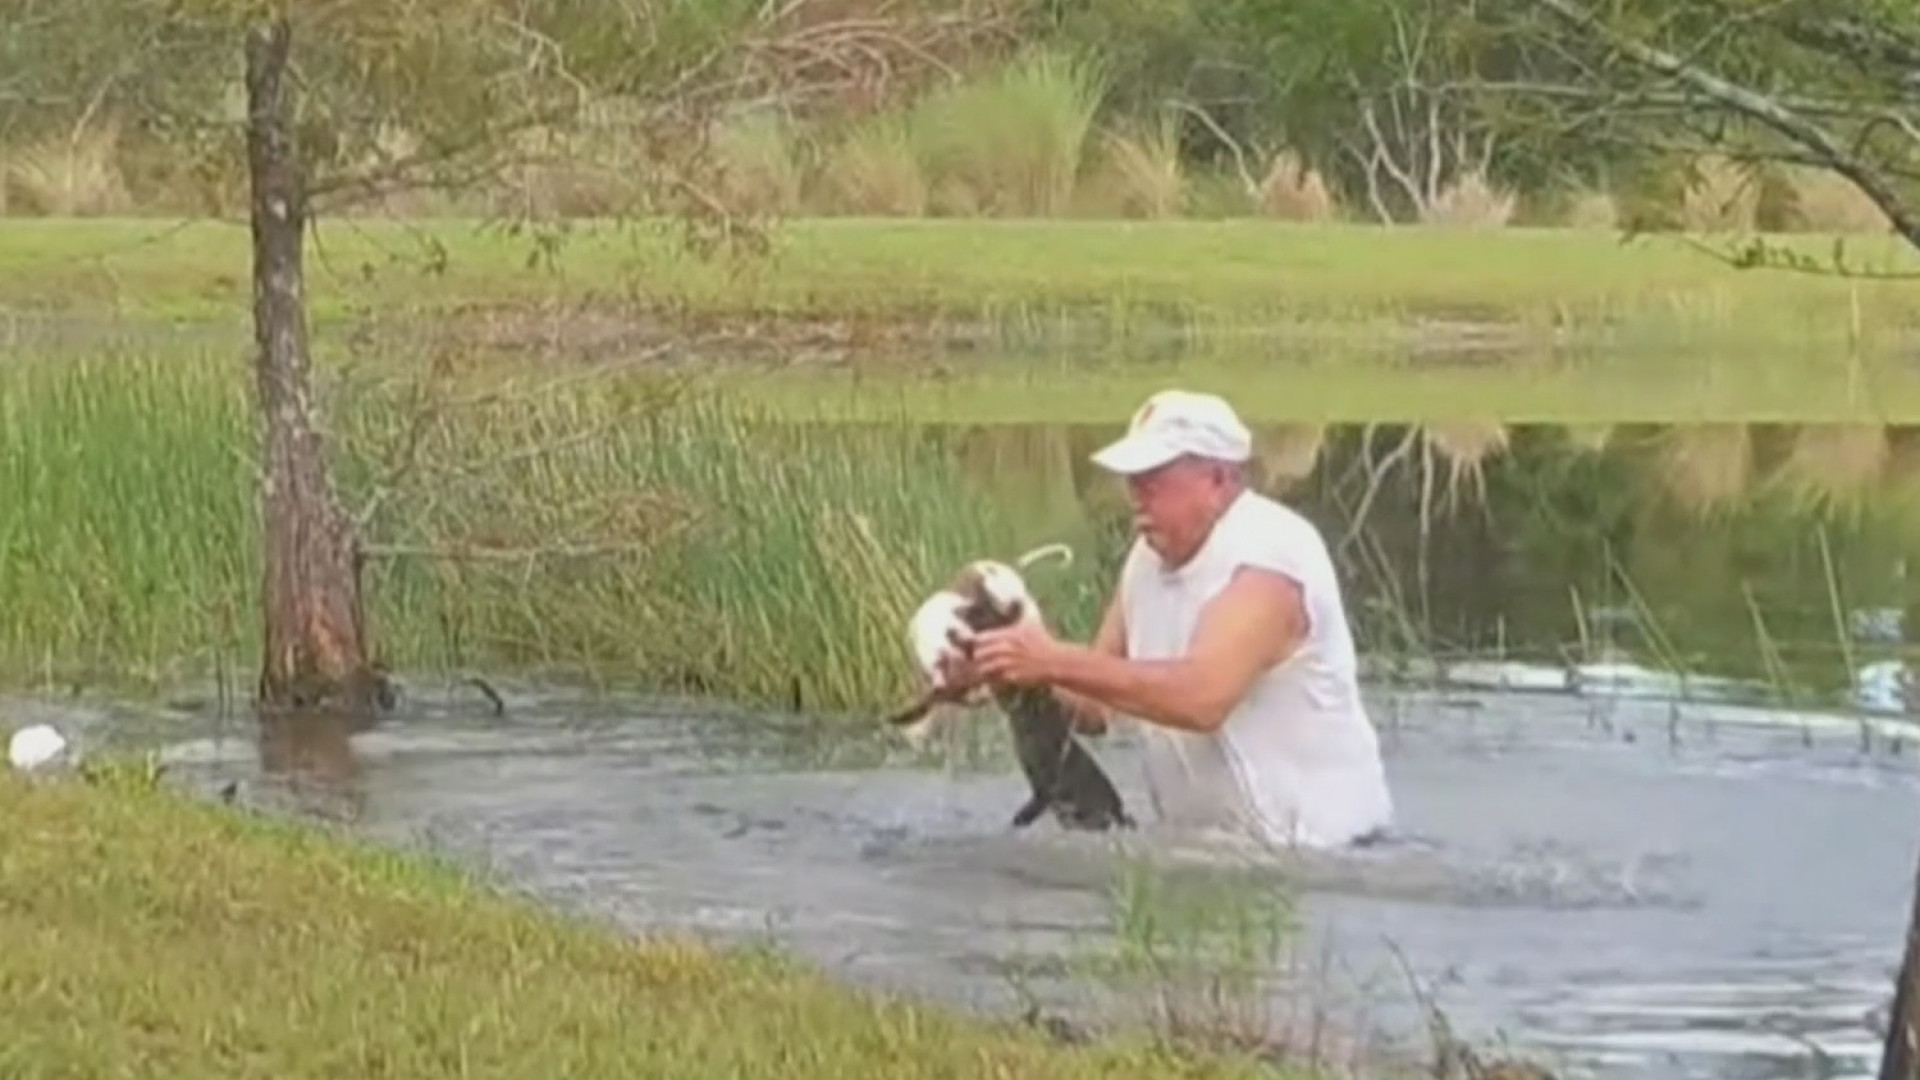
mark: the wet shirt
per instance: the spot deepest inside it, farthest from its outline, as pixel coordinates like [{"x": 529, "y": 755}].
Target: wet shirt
[{"x": 1297, "y": 760}]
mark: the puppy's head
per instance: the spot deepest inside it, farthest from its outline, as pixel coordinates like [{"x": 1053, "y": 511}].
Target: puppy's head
[{"x": 996, "y": 594}]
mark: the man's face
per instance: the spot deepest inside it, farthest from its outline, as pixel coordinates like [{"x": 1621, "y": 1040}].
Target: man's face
[{"x": 1175, "y": 504}]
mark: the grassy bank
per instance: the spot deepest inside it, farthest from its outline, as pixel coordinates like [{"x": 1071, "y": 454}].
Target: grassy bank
[
  {"x": 1220, "y": 278},
  {"x": 151, "y": 935}
]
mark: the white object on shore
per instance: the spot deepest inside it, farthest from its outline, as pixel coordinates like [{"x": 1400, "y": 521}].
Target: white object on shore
[{"x": 34, "y": 746}]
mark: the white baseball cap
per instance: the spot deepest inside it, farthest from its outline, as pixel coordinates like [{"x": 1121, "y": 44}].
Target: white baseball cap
[{"x": 1176, "y": 422}]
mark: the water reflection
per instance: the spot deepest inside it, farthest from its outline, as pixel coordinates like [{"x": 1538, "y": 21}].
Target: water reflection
[
  {"x": 308, "y": 760},
  {"x": 1743, "y": 561}
]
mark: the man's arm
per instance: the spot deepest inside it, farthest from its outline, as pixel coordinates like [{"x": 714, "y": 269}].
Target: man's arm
[
  {"x": 1257, "y": 621},
  {"x": 1090, "y": 717}
]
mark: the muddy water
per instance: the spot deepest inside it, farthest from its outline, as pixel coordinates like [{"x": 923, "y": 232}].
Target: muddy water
[{"x": 1621, "y": 891}]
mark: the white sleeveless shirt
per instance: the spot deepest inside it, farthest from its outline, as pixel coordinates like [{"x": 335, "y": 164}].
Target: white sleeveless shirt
[{"x": 1297, "y": 760}]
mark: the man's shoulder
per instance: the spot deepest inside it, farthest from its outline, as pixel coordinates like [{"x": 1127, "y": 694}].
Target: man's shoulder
[{"x": 1269, "y": 518}]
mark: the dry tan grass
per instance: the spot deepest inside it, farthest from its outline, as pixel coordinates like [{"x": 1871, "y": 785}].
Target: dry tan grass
[
  {"x": 1031, "y": 470},
  {"x": 74, "y": 176},
  {"x": 1292, "y": 192},
  {"x": 590, "y": 168},
  {"x": 1706, "y": 467},
  {"x": 1466, "y": 445},
  {"x": 1594, "y": 210},
  {"x": 1140, "y": 171},
  {"x": 1471, "y": 201},
  {"x": 1824, "y": 201},
  {"x": 1592, "y": 438},
  {"x": 1288, "y": 453},
  {"x": 550, "y": 182},
  {"x": 757, "y": 161},
  {"x": 872, "y": 170},
  {"x": 391, "y": 143},
  {"x": 1723, "y": 197},
  {"x": 1834, "y": 464},
  {"x": 1010, "y": 140},
  {"x": 1899, "y": 497}
]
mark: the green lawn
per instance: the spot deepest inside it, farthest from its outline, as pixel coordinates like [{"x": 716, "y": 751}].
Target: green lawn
[
  {"x": 149, "y": 935},
  {"x": 1246, "y": 272},
  {"x": 1082, "y": 318}
]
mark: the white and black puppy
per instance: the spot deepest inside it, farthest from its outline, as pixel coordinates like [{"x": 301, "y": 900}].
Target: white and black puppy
[
  {"x": 988, "y": 595},
  {"x": 939, "y": 630}
]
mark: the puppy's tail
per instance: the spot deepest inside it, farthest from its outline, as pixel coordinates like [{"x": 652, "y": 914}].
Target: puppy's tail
[
  {"x": 913, "y": 713},
  {"x": 915, "y": 722},
  {"x": 1059, "y": 551}
]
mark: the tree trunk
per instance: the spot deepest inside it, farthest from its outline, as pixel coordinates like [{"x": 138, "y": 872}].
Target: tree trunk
[
  {"x": 313, "y": 650},
  {"x": 1899, "y": 1059}
]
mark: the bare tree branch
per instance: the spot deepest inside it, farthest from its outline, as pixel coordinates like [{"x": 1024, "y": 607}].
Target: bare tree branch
[
  {"x": 476, "y": 553},
  {"x": 1755, "y": 106}
]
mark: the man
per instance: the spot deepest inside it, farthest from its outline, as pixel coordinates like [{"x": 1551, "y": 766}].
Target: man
[{"x": 1227, "y": 641}]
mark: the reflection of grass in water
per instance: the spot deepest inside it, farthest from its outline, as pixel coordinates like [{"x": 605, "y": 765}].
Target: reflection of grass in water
[
  {"x": 1780, "y": 680},
  {"x": 1683, "y": 627},
  {"x": 1897, "y": 500},
  {"x": 1836, "y": 605},
  {"x": 1591, "y": 438},
  {"x": 1288, "y": 453},
  {"x": 1833, "y": 468},
  {"x": 1706, "y": 467},
  {"x": 1814, "y": 486},
  {"x": 1465, "y": 446},
  {"x": 1666, "y": 655},
  {"x": 1343, "y": 380}
]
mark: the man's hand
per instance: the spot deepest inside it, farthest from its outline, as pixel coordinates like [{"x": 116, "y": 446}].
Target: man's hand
[
  {"x": 957, "y": 673},
  {"x": 1021, "y": 654}
]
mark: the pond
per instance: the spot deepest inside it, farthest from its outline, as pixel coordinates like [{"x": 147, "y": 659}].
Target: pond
[{"x": 1639, "y": 693}]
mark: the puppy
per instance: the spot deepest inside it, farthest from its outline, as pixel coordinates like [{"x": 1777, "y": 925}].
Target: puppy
[
  {"x": 935, "y": 631},
  {"x": 1064, "y": 777},
  {"x": 938, "y": 629}
]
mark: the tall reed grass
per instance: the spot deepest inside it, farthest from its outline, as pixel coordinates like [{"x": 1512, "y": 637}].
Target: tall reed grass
[
  {"x": 128, "y": 536},
  {"x": 1010, "y": 142},
  {"x": 593, "y": 527},
  {"x": 636, "y": 531}
]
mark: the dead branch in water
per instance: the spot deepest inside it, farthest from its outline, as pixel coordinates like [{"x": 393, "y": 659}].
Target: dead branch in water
[{"x": 493, "y": 696}]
